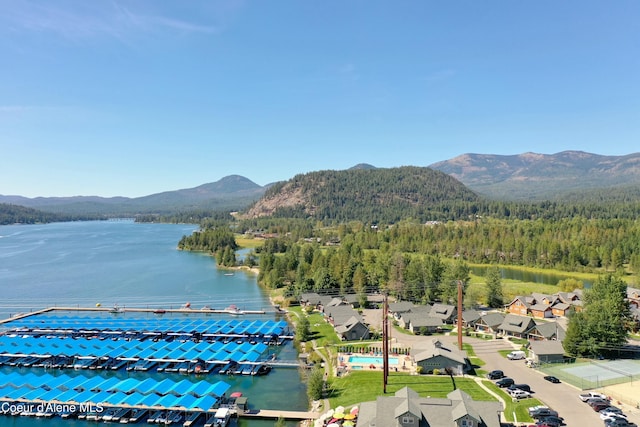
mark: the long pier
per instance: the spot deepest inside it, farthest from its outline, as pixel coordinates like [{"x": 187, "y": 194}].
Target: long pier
[
  {"x": 275, "y": 414},
  {"x": 131, "y": 310}
]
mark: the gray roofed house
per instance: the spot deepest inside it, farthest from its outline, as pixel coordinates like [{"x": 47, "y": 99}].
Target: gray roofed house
[
  {"x": 407, "y": 408},
  {"x": 516, "y": 326},
  {"x": 334, "y": 302},
  {"x": 541, "y": 310},
  {"x": 546, "y": 331},
  {"x": 438, "y": 356},
  {"x": 397, "y": 308},
  {"x": 310, "y": 298},
  {"x": 490, "y": 322},
  {"x": 353, "y": 329},
  {"x": 340, "y": 314},
  {"x": 419, "y": 324},
  {"x": 546, "y": 351},
  {"x": 445, "y": 312},
  {"x": 469, "y": 318}
]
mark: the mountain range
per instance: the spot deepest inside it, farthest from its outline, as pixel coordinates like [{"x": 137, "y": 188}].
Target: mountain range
[{"x": 527, "y": 176}]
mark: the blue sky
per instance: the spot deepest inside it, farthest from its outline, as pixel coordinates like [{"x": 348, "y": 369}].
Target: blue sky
[{"x": 137, "y": 97}]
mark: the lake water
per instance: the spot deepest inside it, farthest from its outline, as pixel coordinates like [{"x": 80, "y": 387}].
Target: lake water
[
  {"x": 523, "y": 275},
  {"x": 131, "y": 265}
]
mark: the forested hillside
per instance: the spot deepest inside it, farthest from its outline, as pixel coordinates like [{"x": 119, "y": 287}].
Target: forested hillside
[
  {"x": 14, "y": 214},
  {"x": 373, "y": 195}
]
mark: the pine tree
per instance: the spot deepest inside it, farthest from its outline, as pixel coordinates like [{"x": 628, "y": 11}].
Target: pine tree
[{"x": 494, "y": 294}]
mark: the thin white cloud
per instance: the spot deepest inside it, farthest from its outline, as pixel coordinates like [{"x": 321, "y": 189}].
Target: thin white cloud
[{"x": 83, "y": 20}]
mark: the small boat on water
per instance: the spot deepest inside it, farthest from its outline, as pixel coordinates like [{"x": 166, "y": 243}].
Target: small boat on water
[
  {"x": 233, "y": 310},
  {"x": 228, "y": 274}
]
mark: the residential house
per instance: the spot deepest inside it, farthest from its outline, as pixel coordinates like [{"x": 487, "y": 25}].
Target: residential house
[
  {"x": 424, "y": 325},
  {"x": 546, "y": 351},
  {"x": 489, "y": 323},
  {"x": 415, "y": 312},
  {"x": 469, "y": 318},
  {"x": 396, "y": 309},
  {"x": 561, "y": 309},
  {"x": 541, "y": 310},
  {"x": 445, "y": 312},
  {"x": 546, "y": 331},
  {"x": 353, "y": 329},
  {"x": 438, "y": 356},
  {"x": 633, "y": 296},
  {"x": 516, "y": 326},
  {"x": 520, "y": 305},
  {"x": 407, "y": 409}
]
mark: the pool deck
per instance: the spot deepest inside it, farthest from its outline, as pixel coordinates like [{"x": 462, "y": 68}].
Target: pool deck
[{"x": 405, "y": 363}]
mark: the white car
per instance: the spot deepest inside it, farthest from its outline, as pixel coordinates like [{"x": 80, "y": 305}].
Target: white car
[
  {"x": 519, "y": 394},
  {"x": 592, "y": 394},
  {"x": 604, "y": 416},
  {"x": 535, "y": 408}
]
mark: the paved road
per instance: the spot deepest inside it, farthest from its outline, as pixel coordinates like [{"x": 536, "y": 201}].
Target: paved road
[{"x": 561, "y": 397}]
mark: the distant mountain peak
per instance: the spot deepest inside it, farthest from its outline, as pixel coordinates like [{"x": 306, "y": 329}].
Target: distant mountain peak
[{"x": 535, "y": 176}]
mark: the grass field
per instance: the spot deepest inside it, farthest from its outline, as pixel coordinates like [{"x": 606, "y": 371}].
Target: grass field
[{"x": 367, "y": 386}]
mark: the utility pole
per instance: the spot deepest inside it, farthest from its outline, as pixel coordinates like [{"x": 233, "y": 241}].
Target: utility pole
[
  {"x": 385, "y": 344},
  {"x": 459, "y": 314}
]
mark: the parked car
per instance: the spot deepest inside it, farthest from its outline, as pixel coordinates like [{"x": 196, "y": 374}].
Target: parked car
[
  {"x": 524, "y": 387},
  {"x": 532, "y": 409},
  {"x": 552, "y": 420},
  {"x": 495, "y": 375},
  {"x": 620, "y": 422},
  {"x": 599, "y": 406},
  {"x": 552, "y": 379},
  {"x": 604, "y": 416},
  {"x": 590, "y": 395},
  {"x": 505, "y": 382},
  {"x": 613, "y": 410},
  {"x": 517, "y": 355},
  {"x": 543, "y": 412},
  {"x": 597, "y": 401},
  {"x": 519, "y": 394}
]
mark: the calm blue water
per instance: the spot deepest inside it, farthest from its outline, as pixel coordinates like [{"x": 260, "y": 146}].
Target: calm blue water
[{"x": 132, "y": 265}]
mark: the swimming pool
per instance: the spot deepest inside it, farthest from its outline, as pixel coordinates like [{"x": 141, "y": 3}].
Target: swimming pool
[{"x": 367, "y": 360}]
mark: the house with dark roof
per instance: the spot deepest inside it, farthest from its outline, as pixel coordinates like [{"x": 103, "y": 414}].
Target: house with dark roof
[
  {"x": 489, "y": 323},
  {"x": 415, "y": 312},
  {"x": 407, "y": 409},
  {"x": 419, "y": 324},
  {"x": 516, "y": 326},
  {"x": 396, "y": 309},
  {"x": 437, "y": 355},
  {"x": 546, "y": 351},
  {"x": 353, "y": 329},
  {"x": 546, "y": 331},
  {"x": 445, "y": 312},
  {"x": 469, "y": 318},
  {"x": 347, "y": 322}
]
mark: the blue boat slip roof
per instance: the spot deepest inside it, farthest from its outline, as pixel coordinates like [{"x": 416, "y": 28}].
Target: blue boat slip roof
[
  {"x": 43, "y": 323},
  {"x": 89, "y": 348},
  {"x": 149, "y": 393}
]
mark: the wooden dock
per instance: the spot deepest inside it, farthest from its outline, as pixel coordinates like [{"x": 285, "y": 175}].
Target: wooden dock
[
  {"x": 274, "y": 414},
  {"x": 131, "y": 310}
]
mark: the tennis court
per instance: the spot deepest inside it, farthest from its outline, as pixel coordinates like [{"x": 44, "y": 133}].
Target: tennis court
[{"x": 595, "y": 374}]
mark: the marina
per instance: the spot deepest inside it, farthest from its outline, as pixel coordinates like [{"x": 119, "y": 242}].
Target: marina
[
  {"x": 56, "y": 344},
  {"x": 136, "y": 268}
]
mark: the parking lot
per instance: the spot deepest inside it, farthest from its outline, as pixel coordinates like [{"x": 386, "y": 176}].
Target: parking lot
[{"x": 561, "y": 397}]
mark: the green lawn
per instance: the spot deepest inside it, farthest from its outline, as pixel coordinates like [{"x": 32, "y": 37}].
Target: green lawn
[
  {"x": 366, "y": 386},
  {"x": 519, "y": 408}
]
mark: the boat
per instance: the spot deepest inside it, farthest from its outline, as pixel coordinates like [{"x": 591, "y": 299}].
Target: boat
[
  {"x": 233, "y": 310},
  {"x": 116, "y": 309},
  {"x": 120, "y": 414},
  {"x": 109, "y": 413},
  {"x": 192, "y": 418},
  {"x": 136, "y": 415},
  {"x": 221, "y": 417},
  {"x": 159, "y": 311}
]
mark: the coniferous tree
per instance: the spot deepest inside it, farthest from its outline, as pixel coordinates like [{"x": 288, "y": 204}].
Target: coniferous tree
[{"x": 494, "y": 294}]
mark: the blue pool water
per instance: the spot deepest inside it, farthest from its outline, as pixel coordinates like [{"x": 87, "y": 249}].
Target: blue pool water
[{"x": 367, "y": 360}]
